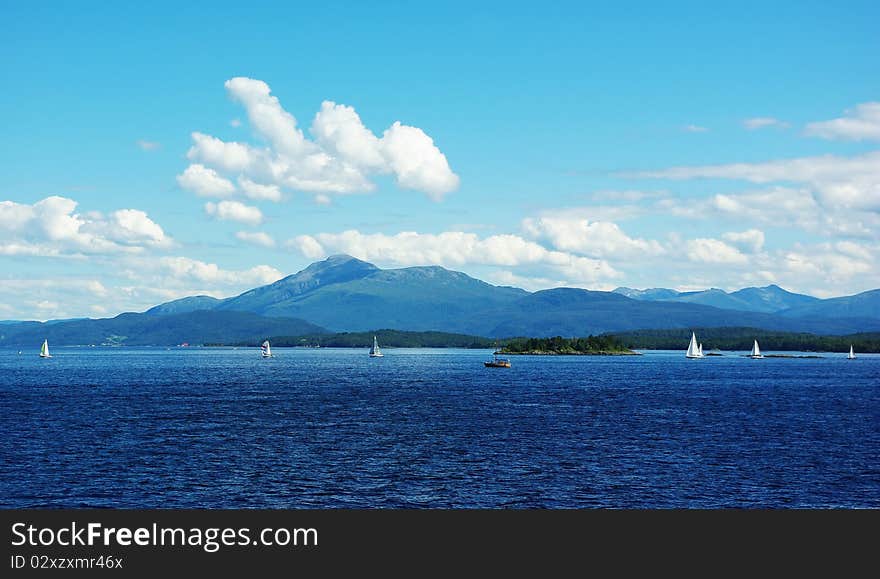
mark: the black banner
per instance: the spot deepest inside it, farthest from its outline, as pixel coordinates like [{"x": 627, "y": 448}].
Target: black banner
[{"x": 130, "y": 542}]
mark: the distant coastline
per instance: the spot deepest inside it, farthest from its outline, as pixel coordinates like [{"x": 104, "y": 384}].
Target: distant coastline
[{"x": 552, "y": 353}]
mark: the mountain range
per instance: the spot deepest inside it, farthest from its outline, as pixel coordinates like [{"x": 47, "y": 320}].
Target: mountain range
[
  {"x": 343, "y": 293},
  {"x": 768, "y": 299}
]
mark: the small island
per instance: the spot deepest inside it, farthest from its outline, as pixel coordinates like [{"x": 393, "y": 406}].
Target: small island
[{"x": 559, "y": 346}]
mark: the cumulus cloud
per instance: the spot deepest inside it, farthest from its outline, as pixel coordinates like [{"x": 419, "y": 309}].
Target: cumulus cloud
[
  {"x": 258, "y": 238},
  {"x": 528, "y": 283},
  {"x": 179, "y": 269},
  {"x": 694, "y": 129},
  {"x": 751, "y": 240},
  {"x": 53, "y": 227},
  {"x": 234, "y": 211},
  {"x": 259, "y": 192},
  {"x": 47, "y": 298},
  {"x": 708, "y": 250},
  {"x": 205, "y": 182},
  {"x": 341, "y": 157},
  {"x": 828, "y": 268},
  {"x": 779, "y": 207},
  {"x": 597, "y": 238},
  {"x": 455, "y": 249},
  {"x": 850, "y": 182},
  {"x": 756, "y": 123},
  {"x": 859, "y": 124}
]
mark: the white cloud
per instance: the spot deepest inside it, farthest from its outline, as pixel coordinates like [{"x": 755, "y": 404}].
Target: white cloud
[
  {"x": 828, "y": 268},
  {"x": 339, "y": 130},
  {"x": 859, "y": 124},
  {"x": 52, "y": 297},
  {"x": 596, "y": 239},
  {"x": 53, "y": 227},
  {"x": 849, "y": 182},
  {"x": 416, "y": 162},
  {"x": 629, "y": 195},
  {"x": 778, "y": 207},
  {"x": 707, "y": 250},
  {"x": 756, "y": 123},
  {"x": 694, "y": 129},
  {"x": 751, "y": 240},
  {"x": 235, "y": 123},
  {"x": 259, "y": 192},
  {"x": 455, "y": 249},
  {"x": 234, "y": 211},
  {"x": 148, "y": 145},
  {"x": 322, "y": 199},
  {"x": 176, "y": 270},
  {"x": 342, "y": 158},
  {"x": 205, "y": 182},
  {"x": 259, "y": 238},
  {"x": 508, "y": 278}
]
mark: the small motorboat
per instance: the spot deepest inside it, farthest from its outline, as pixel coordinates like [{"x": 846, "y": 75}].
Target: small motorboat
[{"x": 497, "y": 362}]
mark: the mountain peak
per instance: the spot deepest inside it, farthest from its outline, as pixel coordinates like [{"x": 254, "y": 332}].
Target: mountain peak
[{"x": 339, "y": 264}]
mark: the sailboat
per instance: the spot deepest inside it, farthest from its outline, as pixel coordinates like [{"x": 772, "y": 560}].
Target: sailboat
[
  {"x": 694, "y": 350},
  {"x": 44, "y": 350},
  {"x": 266, "y": 350},
  {"x": 756, "y": 351},
  {"x": 852, "y": 355},
  {"x": 375, "y": 352}
]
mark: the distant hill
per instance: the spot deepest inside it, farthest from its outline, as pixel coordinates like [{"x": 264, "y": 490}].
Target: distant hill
[
  {"x": 387, "y": 339},
  {"x": 767, "y": 299},
  {"x": 345, "y": 294},
  {"x": 184, "y": 305},
  {"x": 740, "y": 339},
  {"x": 866, "y": 304},
  {"x": 573, "y": 312},
  {"x": 651, "y": 294},
  {"x": 131, "y": 329},
  {"x": 772, "y": 298}
]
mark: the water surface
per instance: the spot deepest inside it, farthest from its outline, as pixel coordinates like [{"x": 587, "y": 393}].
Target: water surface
[{"x": 222, "y": 428}]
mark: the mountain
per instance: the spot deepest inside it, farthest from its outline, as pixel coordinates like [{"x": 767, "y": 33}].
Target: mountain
[
  {"x": 865, "y": 304},
  {"x": 651, "y": 294},
  {"x": 575, "y": 312},
  {"x": 276, "y": 297},
  {"x": 132, "y": 329},
  {"x": 772, "y": 298},
  {"x": 346, "y": 294},
  {"x": 768, "y": 299},
  {"x": 184, "y": 305}
]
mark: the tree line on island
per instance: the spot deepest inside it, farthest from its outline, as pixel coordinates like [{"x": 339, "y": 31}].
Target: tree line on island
[
  {"x": 726, "y": 339},
  {"x": 605, "y": 344},
  {"x": 741, "y": 339},
  {"x": 386, "y": 338}
]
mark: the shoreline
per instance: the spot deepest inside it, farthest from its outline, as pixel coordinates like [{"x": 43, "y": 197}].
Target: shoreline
[{"x": 552, "y": 353}]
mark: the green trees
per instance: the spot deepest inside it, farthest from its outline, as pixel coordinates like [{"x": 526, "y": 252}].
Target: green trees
[
  {"x": 741, "y": 339},
  {"x": 559, "y": 345}
]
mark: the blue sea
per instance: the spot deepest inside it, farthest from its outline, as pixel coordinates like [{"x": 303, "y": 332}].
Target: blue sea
[{"x": 222, "y": 428}]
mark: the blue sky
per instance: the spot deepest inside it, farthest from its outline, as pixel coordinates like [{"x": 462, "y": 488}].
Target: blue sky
[{"x": 680, "y": 145}]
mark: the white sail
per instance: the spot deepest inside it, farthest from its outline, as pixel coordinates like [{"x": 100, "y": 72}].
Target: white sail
[
  {"x": 266, "y": 350},
  {"x": 44, "y": 350},
  {"x": 700, "y": 349},
  {"x": 852, "y": 355},
  {"x": 756, "y": 351},
  {"x": 375, "y": 352},
  {"x": 693, "y": 350}
]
